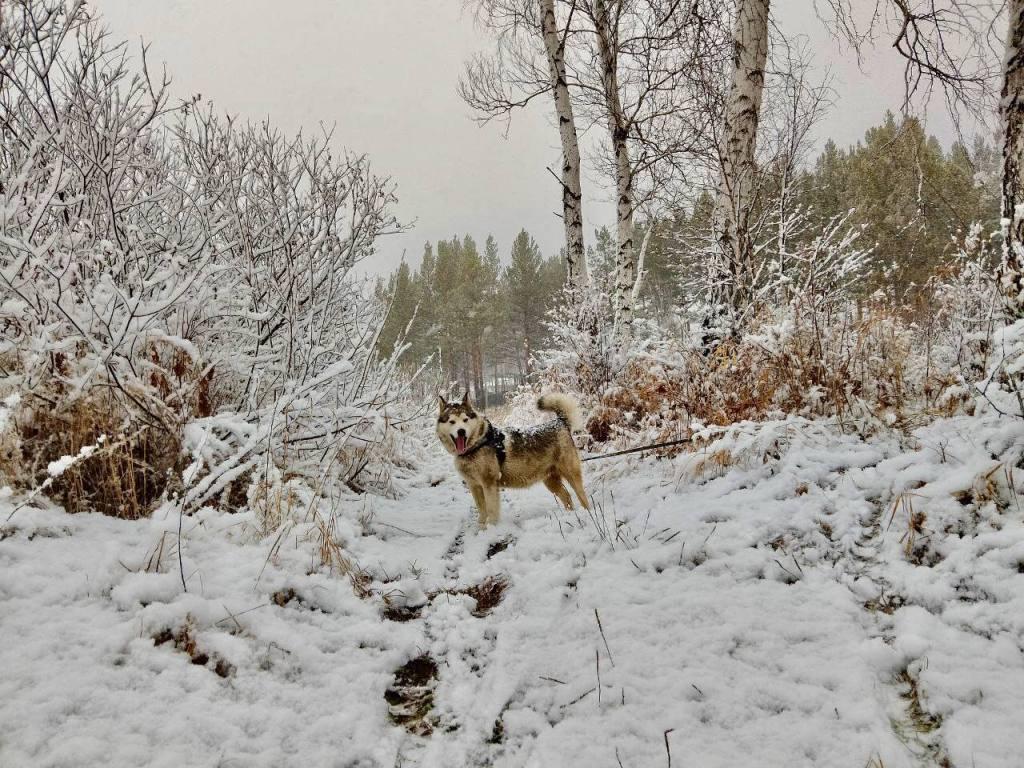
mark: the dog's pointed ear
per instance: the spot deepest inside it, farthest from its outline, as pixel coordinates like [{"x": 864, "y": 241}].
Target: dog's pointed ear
[
  {"x": 441, "y": 403},
  {"x": 465, "y": 401}
]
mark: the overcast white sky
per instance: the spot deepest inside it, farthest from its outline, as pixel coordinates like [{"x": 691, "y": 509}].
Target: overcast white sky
[{"x": 385, "y": 72}]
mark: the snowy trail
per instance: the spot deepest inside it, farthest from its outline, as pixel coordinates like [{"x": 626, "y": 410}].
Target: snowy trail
[
  {"x": 723, "y": 661},
  {"x": 754, "y": 605}
]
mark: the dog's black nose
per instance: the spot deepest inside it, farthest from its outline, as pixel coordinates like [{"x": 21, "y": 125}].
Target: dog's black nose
[{"x": 461, "y": 433}]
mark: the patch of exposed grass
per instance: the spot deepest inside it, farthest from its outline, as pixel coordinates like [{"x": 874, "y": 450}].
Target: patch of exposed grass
[
  {"x": 410, "y": 697},
  {"x": 499, "y": 546},
  {"x": 918, "y": 729},
  {"x": 184, "y": 640},
  {"x": 886, "y": 603},
  {"x": 488, "y": 594}
]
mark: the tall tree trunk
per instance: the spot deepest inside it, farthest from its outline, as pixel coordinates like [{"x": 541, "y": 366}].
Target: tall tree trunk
[
  {"x": 572, "y": 192},
  {"x": 733, "y": 266},
  {"x": 477, "y": 361},
  {"x": 494, "y": 379},
  {"x": 618, "y": 129},
  {"x": 1011, "y": 110}
]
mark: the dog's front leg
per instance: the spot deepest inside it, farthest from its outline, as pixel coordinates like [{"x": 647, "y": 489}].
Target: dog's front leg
[
  {"x": 493, "y": 504},
  {"x": 481, "y": 504}
]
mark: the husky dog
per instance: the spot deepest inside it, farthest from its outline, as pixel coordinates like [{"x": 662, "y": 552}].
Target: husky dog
[{"x": 489, "y": 458}]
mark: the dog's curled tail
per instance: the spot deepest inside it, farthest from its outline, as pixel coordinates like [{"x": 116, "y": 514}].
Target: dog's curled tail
[{"x": 564, "y": 407}]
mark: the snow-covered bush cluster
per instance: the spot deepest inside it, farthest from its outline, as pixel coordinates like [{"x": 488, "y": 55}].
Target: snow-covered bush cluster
[
  {"x": 172, "y": 279},
  {"x": 815, "y": 346},
  {"x": 582, "y": 356}
]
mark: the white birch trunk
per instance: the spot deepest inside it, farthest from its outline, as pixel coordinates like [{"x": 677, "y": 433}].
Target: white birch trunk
[
  {"x": 618, "y": 129},
  {"x": 734, "y": 267},
  {"x": 572, "y": 193},
  {"x": 1011, "y": 110},
  {"x": 644, "y": 244}
]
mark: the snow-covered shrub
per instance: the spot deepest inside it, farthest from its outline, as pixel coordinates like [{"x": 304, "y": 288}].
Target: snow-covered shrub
[
  {"x": 647, "y": 401},
  {"x": 847, "y": 360},
  {"x": 582, "y": 356},
  {"x": 521, "y": 408},
  {"x": 102, "y": 259},
  {"x": 863, "y": 362},
  {"x": 964, "y": 313},
  {"x": 177, "y": 278},
  {"x": 791, "y": 346},
  {"x": 812, "y": 344},
  {"x": 1001, "y": 389},
  {"x": 795, "y": 257},
  {"x": 295, "y": 333},
  {"x": 584, "y": 360}
]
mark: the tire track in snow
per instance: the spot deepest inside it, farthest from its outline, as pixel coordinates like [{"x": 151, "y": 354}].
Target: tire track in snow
[
  {"x": 460, "y": 624},
  {"x": 454, "y": 551},
  {"x": 459, "y": 639},
  {"x": 917, "y": 730}
]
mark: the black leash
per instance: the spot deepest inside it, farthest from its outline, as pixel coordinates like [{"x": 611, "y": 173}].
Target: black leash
[{"x": 637, "y": 450}]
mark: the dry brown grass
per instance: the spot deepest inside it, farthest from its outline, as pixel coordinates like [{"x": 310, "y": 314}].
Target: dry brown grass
[
  {"x": 184, "y": 640},
  {"x": 923, "y": 721},
  {"x": 488, "y": 594},
  {"x": 846, "y": 366},
  {"x": 272, "y": 503},
  {"x": 712, "y": 463},
  {"x": 919, "y": 724},
  {"x": 136, "y": 429},
  {"x": 123, "y": 478},
  {"x": 916, "y": 539},
  {"x": 333, "y": 557}
]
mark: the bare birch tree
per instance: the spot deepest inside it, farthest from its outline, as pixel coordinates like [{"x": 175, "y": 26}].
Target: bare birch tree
[
  {"x": 530, "y": 61},
  {"x": 794, "y": 106},
  {"x": 945, "y": 44},
  {"x": 606, "y": 28},
  {"x": 733, "y": 265},
  {"x": 650, "y": 71},
  {"x": 572, "y": 192}
]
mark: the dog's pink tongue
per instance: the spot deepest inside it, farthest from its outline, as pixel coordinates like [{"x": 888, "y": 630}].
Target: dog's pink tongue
[{"x": 460, "y": 443}]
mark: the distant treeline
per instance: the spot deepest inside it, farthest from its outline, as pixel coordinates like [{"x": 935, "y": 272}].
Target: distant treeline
[
  {"x": 484, "y": 311},
  {"x": 482, "y": 314}
]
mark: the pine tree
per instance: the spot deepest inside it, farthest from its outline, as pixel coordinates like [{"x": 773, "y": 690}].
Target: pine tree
[
  {"x": 827, "y": 193},
  {"x": 660, "y": 286},
  {"x": 911, "y": 199},
  {"x": 602, "y": 260},
  {"x": 449, "y": 312},
  {"x": 526, "y": 294},
  {"x": 401, "y": 295},
  {"x": 423, "y": 338},
  {"x": 471, "y": 299},
  {"x": 495, "y": 311}
]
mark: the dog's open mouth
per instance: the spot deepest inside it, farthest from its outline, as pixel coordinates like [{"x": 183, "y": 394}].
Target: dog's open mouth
[{"x": 460, "y": 443}]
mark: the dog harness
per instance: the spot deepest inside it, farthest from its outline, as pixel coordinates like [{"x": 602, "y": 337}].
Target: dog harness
[{"x": 495, "y": 439}]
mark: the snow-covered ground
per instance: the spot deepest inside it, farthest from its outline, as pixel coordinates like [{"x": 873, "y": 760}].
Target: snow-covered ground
[{"x": 785, "y": 596}]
